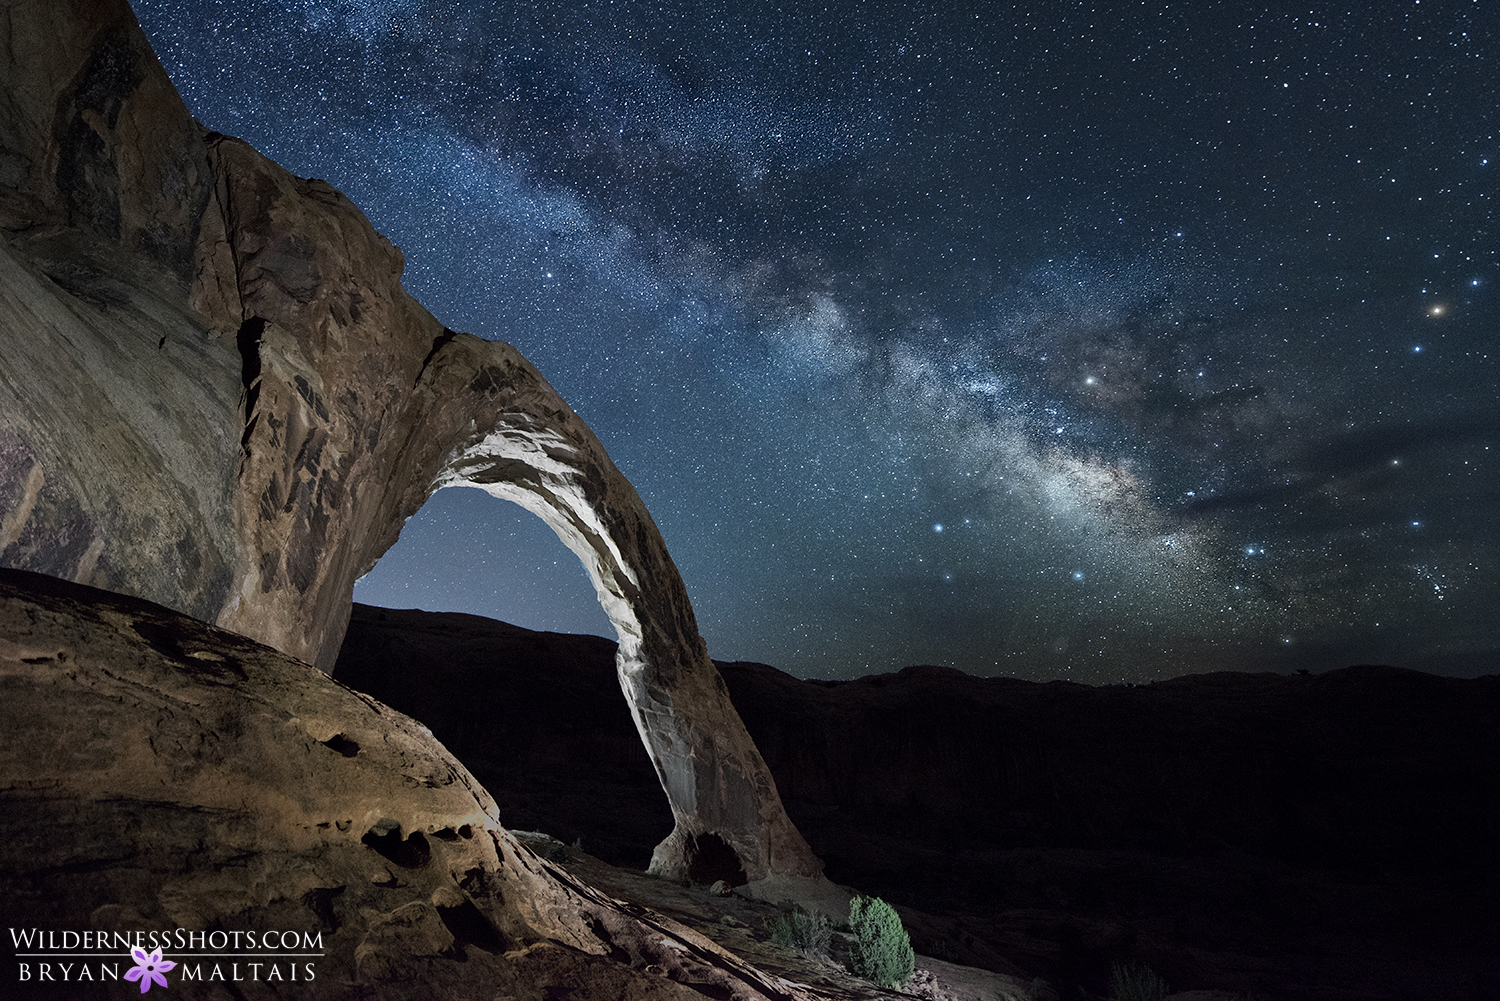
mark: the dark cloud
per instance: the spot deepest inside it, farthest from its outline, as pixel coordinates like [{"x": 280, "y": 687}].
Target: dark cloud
[
  {"x": 1386, "y": 446},
  {"x": 1376, "y": 463}
]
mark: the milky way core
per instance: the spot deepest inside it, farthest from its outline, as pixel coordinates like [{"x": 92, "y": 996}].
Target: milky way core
[{"x": 1060, "y": 343}]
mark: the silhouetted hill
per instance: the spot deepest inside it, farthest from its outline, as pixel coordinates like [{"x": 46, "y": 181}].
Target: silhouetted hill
[{"x": 1306, "y": 836}]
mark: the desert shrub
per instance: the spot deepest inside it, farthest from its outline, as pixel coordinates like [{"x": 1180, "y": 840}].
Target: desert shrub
[
  {"x": 882, "y": 950},
  {"x": 1135, "y": 982},
  {"x": 804, "y": 931}
]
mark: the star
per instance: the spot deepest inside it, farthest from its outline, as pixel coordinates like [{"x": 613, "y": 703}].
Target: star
[{"x": 782, "y": 275}]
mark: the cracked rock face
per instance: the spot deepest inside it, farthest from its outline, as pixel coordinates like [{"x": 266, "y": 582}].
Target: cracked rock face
[
  {"x": 160, "y": 773},
  {"x": 216, "y": 395}
]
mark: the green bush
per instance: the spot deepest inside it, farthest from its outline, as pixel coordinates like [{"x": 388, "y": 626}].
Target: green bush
[
  {"x": 882, "y": 950},
  {"x": 1135, "y": 982},
  {"x": 807, "y": 932}
]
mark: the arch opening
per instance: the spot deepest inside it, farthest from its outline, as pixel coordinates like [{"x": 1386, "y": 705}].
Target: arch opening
[
  {"x": 466, "y": 551},
  {"x": 531, "y": 716}
]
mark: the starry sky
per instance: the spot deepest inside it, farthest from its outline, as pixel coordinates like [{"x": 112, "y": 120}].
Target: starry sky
[{"x": 1106, "y": 342}]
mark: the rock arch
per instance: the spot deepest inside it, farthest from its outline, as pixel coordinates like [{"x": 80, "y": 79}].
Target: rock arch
[
  {"x": 219, "y": 397},
  {"x": 538, "y": 454},
  {"x": 332, "y": 464}
]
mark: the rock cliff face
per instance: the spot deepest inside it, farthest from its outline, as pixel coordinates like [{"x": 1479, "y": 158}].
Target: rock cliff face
[
  {"x": 216, "y": 395},
  {"x": 162, "y": 774},
  {"x": 118, "y": 415}
]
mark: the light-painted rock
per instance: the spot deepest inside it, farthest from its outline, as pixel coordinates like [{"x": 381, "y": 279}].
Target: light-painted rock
[
  {"x": 159, "y": 773},
  {"x": 215, "y": 394}
]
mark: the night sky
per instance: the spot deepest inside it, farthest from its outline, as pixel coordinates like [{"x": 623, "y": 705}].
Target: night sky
[{"x": 1108, "y": 342}]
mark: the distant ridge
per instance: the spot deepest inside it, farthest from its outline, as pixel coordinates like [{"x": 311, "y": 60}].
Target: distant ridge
[{"x": 1318, "y": 826}]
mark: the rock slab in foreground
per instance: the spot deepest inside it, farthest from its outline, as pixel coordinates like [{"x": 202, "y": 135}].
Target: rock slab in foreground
[{"x": 159, "y": 774}]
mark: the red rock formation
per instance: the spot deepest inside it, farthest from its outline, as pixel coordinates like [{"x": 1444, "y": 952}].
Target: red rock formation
[
  {"x": 162, "y": 774},
  {"x": 217, "y": 396}
]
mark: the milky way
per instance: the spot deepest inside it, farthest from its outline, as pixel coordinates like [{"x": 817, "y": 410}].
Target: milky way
[{"x": 1099, "y": 343}]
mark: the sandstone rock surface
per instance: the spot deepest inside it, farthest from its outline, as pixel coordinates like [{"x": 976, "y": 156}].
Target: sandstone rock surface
[
  {"x": 216, "y": 395},
  {"x": 159, "y": 773}
]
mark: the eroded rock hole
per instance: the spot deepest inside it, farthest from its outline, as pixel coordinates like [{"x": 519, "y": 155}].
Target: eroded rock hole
[
  {"x": 248, "y": 341},
  {"x": 412, "y": 852},
  {"x": 719, "y": 992},
  {"x": 438, "y": 343},
  {"x": 469, "y": 927},
  {"x": 168, "y": 639},
  {"x": 320, "y": 900},
  {"x": 477, "y": 883},
  {"x": 345, "y": 746},
  {"x": 710, "y": 859}
]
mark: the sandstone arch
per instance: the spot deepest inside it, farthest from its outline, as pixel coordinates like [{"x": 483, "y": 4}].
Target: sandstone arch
[
  {"x": 219, "y": 397},
  {"x": 538, "y": 454}
]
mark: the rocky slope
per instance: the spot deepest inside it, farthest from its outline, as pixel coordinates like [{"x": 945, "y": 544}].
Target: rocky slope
[
  {"x": 161, "y": 775},
  {"x": 1322, "y": 836}
]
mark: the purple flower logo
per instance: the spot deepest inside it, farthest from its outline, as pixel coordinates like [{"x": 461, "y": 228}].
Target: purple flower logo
[{"x": 149, "y": 968}]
